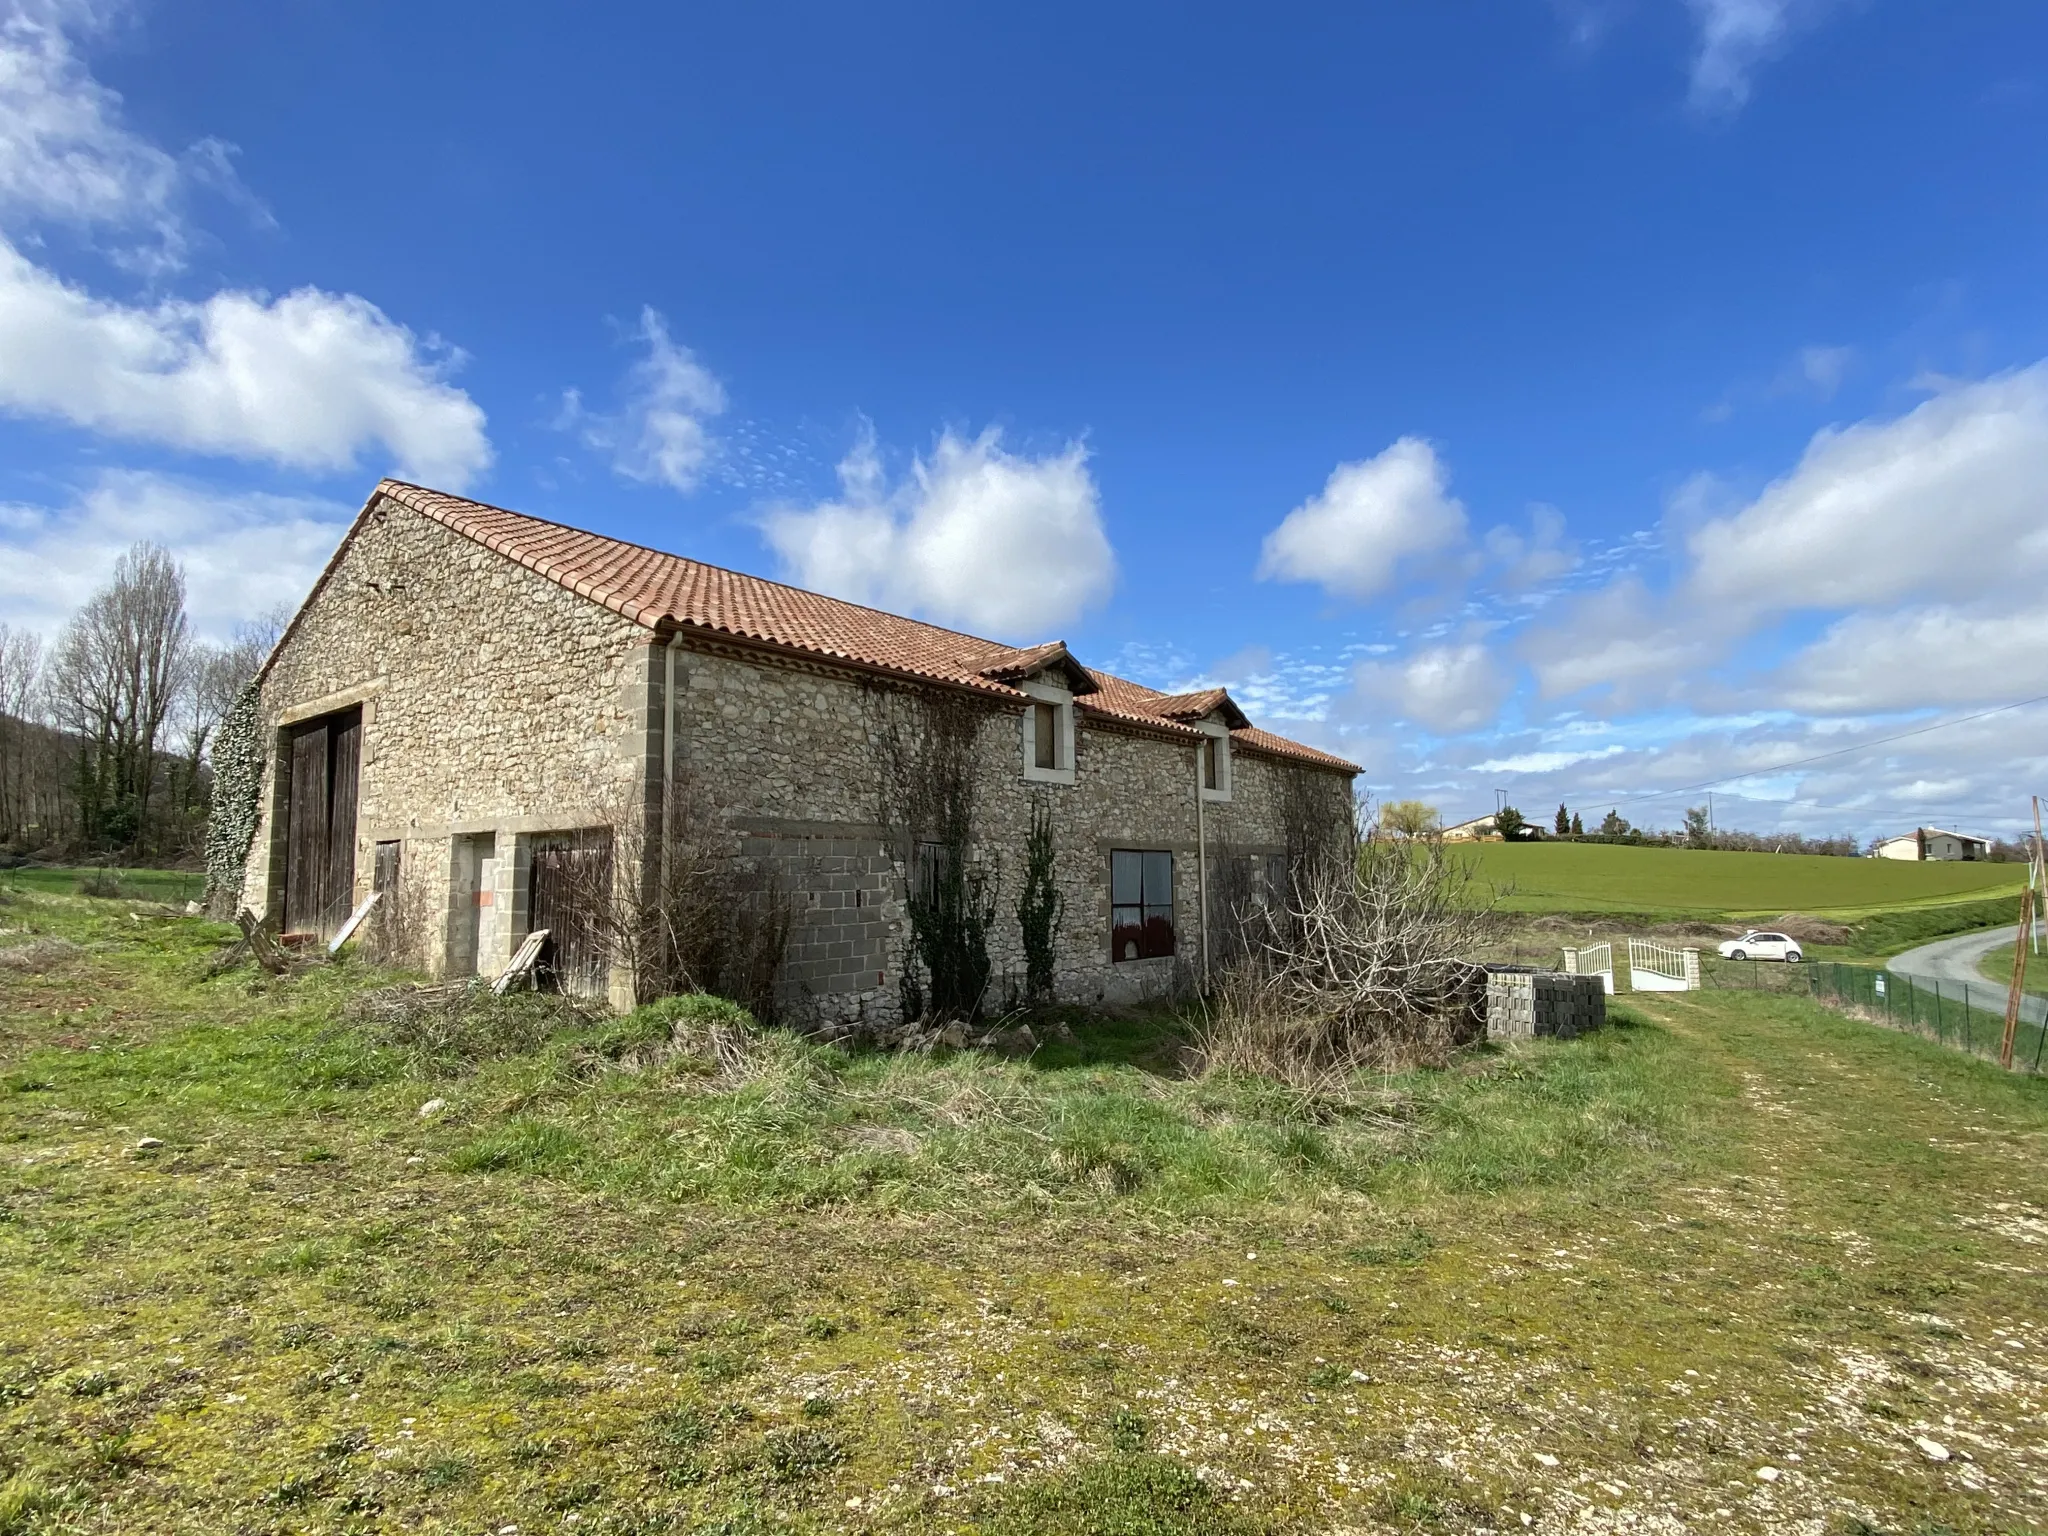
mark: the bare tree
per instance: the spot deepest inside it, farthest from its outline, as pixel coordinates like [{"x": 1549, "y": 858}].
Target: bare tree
[
  {"x": 214, "y": 677},
  {"x": 31, "y": 760},
  {"x": 117, "y": 673}
]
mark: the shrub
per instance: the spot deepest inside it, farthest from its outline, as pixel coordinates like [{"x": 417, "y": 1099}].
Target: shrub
[{"x": 1366, "y": 967}]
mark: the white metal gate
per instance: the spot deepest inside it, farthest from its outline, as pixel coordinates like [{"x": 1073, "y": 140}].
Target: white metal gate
[
  {"x": 1594, "y": 960},
  {"x": 1654, "y": 967}
]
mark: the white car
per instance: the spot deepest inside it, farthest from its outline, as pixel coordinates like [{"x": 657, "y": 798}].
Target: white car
[{"x": 1763, "y": 946}]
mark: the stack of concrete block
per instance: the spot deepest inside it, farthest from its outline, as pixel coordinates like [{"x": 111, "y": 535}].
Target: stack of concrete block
[
  {"x": 1569, "y": 1006},
  {"x": 1510, "y": 1002},
  {"x": 1522, "y": 1002}
]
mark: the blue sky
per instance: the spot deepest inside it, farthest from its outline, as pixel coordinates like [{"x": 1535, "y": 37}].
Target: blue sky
[{"x": 1583, "y": 400}]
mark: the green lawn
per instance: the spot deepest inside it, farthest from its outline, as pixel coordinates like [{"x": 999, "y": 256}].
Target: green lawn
[
  {"x": 1602, "y": 1285},
  {"x": 169, "y": 885},
  {"x": 1997, "y": 967},
  {"x": 1551, "y": 877}
]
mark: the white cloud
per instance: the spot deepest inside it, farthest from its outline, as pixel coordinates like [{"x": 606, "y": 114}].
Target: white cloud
[
  {"x": 1527, "y": 560},
  {"x": 1622, "y": 637},
  {"x": 1445, "y": 688},
  {"x": 1873, "y": 662},
  {"x": 1370, "y": 516},
  {"x": 1886, "y": 523},
  {"x": 66, "y": 157},
  {"x": 661, "y": 434},
  {"x": 975, "y": 536},
  {"x": 310, "y": 380},
  {"x": 1824, "y": 368},
  {"x": 243, "y": 552},
  {"x": 1735, "y": 37},
  {"x": 1545, "y": 762},
  {"x": 1945, "y": 499}
]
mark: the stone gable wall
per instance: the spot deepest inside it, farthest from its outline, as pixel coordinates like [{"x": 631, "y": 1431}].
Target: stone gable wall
[{"x": 493, "y": 700}]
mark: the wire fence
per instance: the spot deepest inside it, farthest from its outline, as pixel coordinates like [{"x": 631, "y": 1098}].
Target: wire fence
[{"x": 1966, "y": 1016}]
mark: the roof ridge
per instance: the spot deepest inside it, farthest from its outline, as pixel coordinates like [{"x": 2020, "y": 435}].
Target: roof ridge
[{"x": 668, "y": 554}]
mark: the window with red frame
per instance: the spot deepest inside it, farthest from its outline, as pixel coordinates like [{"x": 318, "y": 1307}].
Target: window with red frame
[{"x": 1140, "y": 904}]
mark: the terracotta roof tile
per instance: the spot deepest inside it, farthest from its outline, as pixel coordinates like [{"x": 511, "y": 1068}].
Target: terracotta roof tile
[{"x": 663, "y": 591}]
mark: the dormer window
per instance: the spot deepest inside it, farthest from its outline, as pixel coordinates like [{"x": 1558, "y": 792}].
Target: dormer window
[
  {"x": 1048, "y": 733},
  {"x": 1045, "y": 735},
  {"x": 1214, "y": 758}
]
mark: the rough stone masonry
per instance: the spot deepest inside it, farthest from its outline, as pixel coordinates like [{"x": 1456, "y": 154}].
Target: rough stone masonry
[{"x": 505, "y": 698}]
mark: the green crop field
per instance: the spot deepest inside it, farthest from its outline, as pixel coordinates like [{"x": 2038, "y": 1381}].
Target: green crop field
[{"x": 1552, "y": 877}]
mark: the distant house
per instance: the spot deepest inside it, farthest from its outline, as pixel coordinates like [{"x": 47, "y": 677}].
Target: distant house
[
  {"x": 1933, "y": 843},
  {"x": 1478, "y": 829}
]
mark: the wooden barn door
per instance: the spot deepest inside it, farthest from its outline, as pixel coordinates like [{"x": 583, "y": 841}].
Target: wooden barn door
[
  {"x": 320, "y": 823},
  {"x": 570, "y": 886}
]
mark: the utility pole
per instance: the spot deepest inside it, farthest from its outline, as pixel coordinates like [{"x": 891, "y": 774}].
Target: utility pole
[
  {"x": 2023, "y": 941},
  {"x": 2037, "y": 877},
  {"x": 1710, "y": 810}
]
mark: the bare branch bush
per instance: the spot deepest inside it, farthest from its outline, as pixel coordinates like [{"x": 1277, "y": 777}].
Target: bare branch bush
[
  {"x": 400, "y": 931},
  {"x": 929, "y": 750},
  {"x": 1365, "y": 967},
  {"x": 680, "y": 903}
]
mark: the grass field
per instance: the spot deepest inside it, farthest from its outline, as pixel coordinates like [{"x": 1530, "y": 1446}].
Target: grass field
[
  {"x": 169, "y": 885},
  {"x": 1717, "y": 1268},
  {"x": 1549, "y": 877},
  {"x": 1997, "y": 968}
]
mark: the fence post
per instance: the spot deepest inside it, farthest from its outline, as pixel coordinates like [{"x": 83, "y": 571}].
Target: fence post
[{"x": 1969, "y": 1034}]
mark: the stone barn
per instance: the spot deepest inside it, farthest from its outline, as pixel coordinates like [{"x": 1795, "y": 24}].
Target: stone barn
[{"x": 493, "y": 717}]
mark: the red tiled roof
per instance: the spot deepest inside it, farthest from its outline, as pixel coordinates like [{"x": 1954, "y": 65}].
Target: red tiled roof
[{"x": 664, "y": 591}]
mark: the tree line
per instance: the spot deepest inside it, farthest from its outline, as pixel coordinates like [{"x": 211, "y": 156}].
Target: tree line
[
  {"x": 1418, "y": 819},
  {"x": 104, "y": 732}
]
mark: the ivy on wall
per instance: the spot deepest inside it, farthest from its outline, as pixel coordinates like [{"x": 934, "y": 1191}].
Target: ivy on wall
[
  {"x": 1040, "y": 905},
  {"x": 237, "y": 797},
  {"x": 929, "y": 746}
]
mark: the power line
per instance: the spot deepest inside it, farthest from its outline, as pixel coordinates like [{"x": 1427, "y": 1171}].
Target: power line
[{"x": 1819, "y": 757}]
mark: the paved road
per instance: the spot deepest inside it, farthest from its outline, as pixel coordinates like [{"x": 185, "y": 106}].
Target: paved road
[{"x": 1955, "y": 960}]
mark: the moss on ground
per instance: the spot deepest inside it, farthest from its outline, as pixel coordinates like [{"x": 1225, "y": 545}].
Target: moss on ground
[{"x": 616, "y": 1284}]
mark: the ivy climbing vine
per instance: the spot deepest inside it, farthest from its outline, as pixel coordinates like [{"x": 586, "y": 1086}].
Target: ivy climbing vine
[
  {"x": 1040, "y": 905},
  {"x": 237, "y": 797}
]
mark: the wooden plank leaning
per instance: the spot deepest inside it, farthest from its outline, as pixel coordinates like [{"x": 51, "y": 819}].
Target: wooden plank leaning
[
  {"x": 267, "y": 951},
  {"x": 522, "y": 963},
  {"x": 355, "y": 921}
]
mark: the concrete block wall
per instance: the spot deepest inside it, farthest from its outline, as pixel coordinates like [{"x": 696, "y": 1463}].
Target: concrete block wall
[{"x": 1521, "y": 1004}]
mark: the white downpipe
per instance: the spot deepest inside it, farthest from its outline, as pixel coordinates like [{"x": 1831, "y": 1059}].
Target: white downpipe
[
  {"x": 1202, "y": 858},
  {"x": 668, "y": 752}
]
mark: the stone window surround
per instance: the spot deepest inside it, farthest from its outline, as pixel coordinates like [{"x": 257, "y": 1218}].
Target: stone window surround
[
  {"x": 1063, "y": 702},
  {"x": 1220, "y": 733}
]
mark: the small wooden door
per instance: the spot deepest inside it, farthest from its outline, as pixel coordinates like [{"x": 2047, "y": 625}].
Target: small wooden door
[
  {"x": 570, "y": 889},
  {"x": 320, "y": 823}
]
